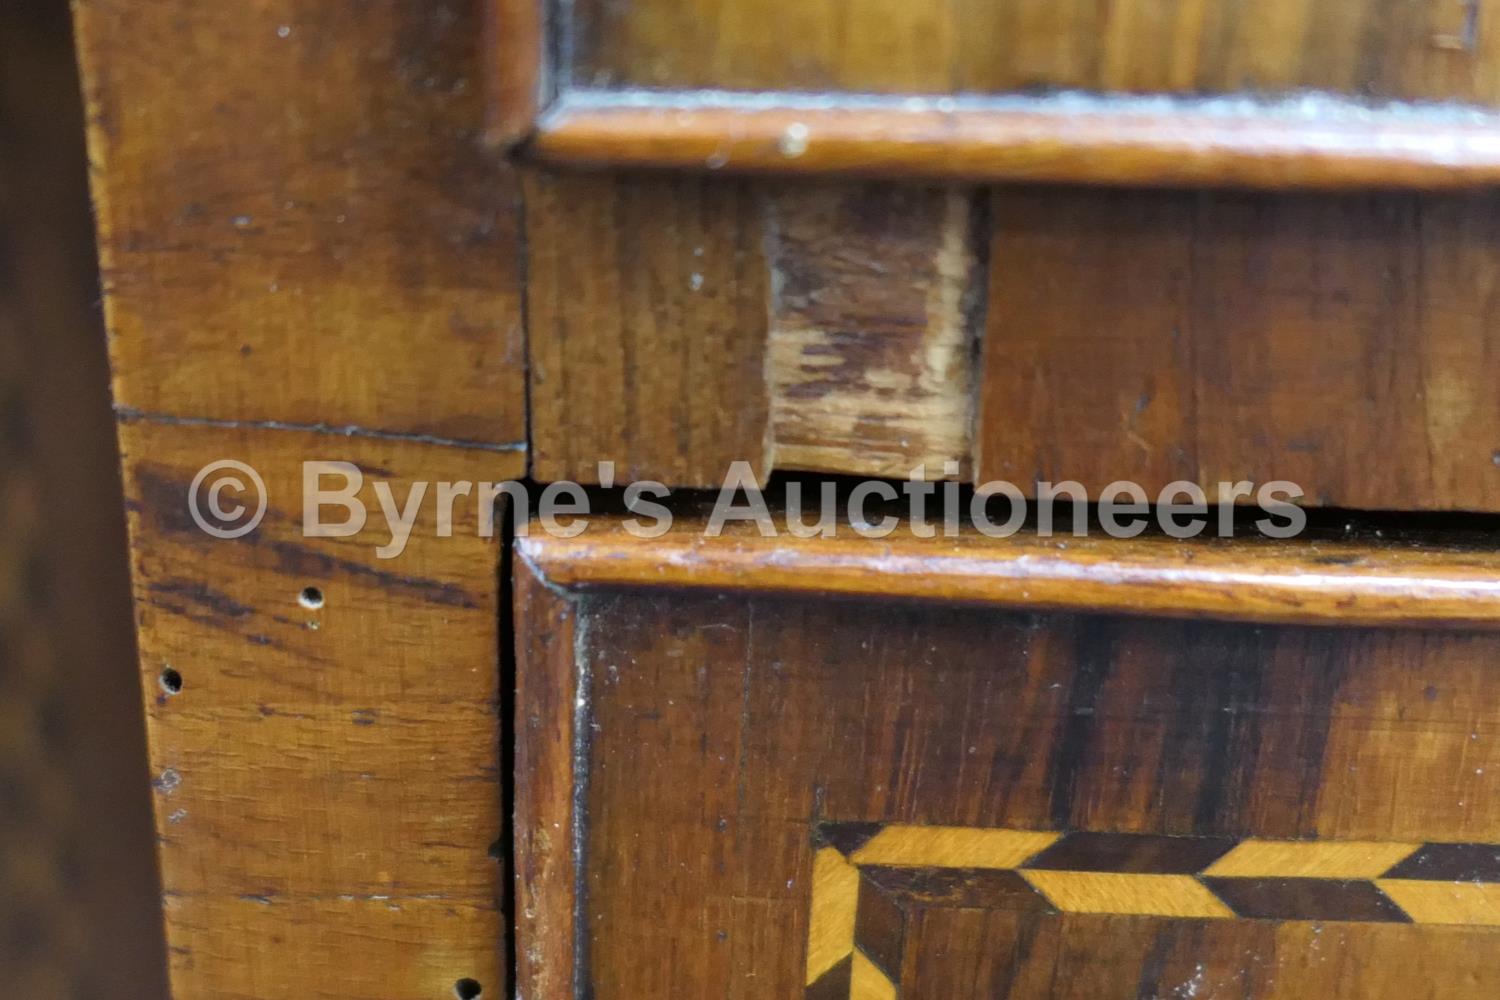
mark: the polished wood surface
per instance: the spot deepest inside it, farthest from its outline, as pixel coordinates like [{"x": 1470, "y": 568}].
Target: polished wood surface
[
  {"x": 647, "y": 324},
  {"x": 546, "y": 817},
  {"x": 1428, "y": 582},
  {"x": 1115, "y": 142},
  {"x": 678, "y": 324},
  {"x": 744, "y": 766},
  {"x": 1373, "y": 49},
  {"x": 1285, "y": 94},
  {"x": 1343, "y": 343},
  {"x": 1017, "y": 803}
]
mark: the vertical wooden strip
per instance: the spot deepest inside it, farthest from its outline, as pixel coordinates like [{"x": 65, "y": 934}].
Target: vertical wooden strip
[
  {"x": 1306, "y": 338},
  {"x": 871, "y": 339},
  {"x": 1456, "y": 296},
  {"x": 325, "y": 752},
  {"x": 547, "y": 693},
  {"x": 515, "y": 46},
  {"x": 647, "y": 317}
]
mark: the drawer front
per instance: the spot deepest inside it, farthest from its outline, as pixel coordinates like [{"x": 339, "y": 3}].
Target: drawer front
[
  {"x": 1342, "y": 343},
  {"x": 1282, "y": 93},
  {"x": 753, "y": 793},
  {"x": 1371, "y": 49}
]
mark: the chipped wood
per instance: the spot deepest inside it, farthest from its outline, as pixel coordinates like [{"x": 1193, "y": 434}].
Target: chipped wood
[{"x": 872, "y": 331}]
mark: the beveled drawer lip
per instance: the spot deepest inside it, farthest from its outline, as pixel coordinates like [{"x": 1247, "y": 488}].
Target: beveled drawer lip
[
  {"x": 1296, "y": 581},
  {"x": 1306, "y": 142},
  {"x": 1303, "y": 140}
]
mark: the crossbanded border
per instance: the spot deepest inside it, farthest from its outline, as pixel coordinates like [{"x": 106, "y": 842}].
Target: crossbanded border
[{"x": 867, "y": 875}]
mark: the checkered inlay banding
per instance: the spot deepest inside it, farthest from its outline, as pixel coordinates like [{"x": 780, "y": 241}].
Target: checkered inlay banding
[{"x": 868, "y": 875}]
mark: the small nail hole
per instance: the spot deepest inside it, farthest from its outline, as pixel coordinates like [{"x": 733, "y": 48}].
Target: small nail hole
[
  {"x": 496, "y": 851},
  {"x": 467, "y": 989},
  {"x": 171, "y": 681},
  {"x": 311, "y": 598}
]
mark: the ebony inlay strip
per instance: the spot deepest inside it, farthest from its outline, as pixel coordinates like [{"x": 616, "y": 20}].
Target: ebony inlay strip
[
  {"x": 833, "y": 984},
  {"x": 1307, "y": 899},
  {"x": 846, "y": 837},
  {"x": 1451, "y": 863},
  {"x": 1132, "y": 853},
  {"x": 880, "y": 929}
]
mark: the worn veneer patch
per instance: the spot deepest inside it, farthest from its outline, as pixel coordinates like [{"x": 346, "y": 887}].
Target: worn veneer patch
[
  {"x": 680, "y": 324},
  {"x": 872, "y": 331}
]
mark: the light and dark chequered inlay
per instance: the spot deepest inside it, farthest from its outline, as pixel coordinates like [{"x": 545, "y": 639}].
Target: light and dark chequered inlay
[{"x": 868, "y": 876}]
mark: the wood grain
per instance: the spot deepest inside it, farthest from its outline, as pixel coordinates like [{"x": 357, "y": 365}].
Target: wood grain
[
  {"x": 547, "y": 826},
  {"x": 647, "y": 321},
  {"x": 1055, "y": 140},
  {"x": 678, "y": 325},
  {"x": 1336, "y": 342},
  {"x": 326, "y": 779},
  {"x": 873, "y": 328},
  {"x": 1373, "y": 49},
  {"x": 1339, "y": 343},
  {"x": 725, "y": 724},
  {"x": 297, "y": 221},
  {"x": 308, "y": 255},
  {"x": 1291, "y": 94},
  {"x": 405, "y": 948},
  {"x": 1328, "y": 582}
]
